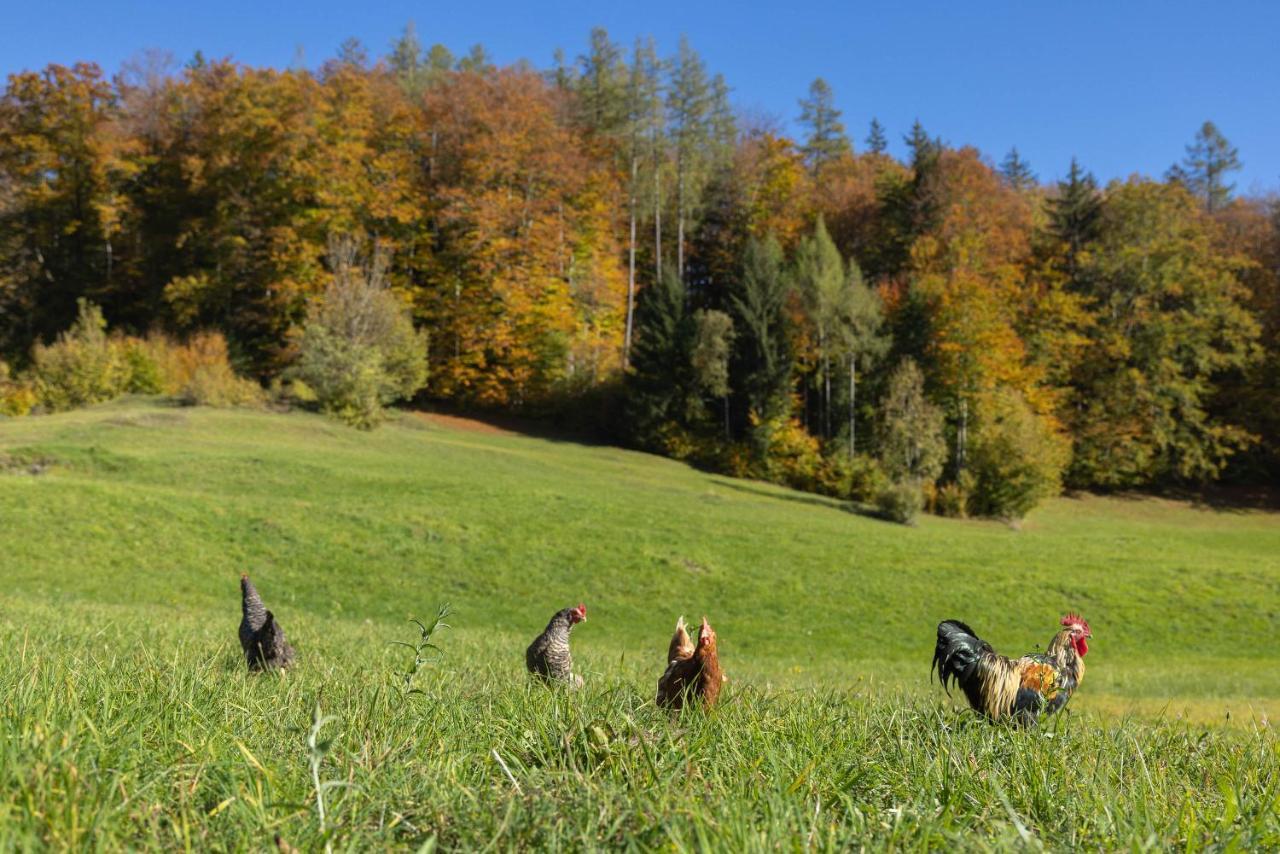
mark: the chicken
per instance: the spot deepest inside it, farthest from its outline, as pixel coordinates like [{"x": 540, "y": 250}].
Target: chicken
[
  {"x": 261, "y": 637},
  {"x": 693, "y": 672},
  {"x": 548, "y": 656},
  {"x": 1023, "y": 688}
]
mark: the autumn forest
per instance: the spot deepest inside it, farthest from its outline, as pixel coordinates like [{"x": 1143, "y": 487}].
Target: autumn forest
[{"x": 609, "y": 244}]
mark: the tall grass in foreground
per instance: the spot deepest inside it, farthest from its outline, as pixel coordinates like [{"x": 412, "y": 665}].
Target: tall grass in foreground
[{"x": 119, "y": 736}]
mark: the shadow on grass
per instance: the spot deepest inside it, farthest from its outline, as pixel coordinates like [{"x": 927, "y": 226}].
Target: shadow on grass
[
  {"x": 803, "y": 498},
  {"x": 1224, "y": 498}
]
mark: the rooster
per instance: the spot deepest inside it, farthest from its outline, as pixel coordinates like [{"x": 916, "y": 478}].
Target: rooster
[
  {"x": 261, "y": 637},
  {"x": 1023, "y": 688},
  {"x": 693, "y": 672},
  {"x": 548, "y": 655}
]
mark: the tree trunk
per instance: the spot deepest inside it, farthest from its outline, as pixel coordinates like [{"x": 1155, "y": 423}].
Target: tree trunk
[
  {"x": 680, "y": 220},
  {"x": 631, "y": 271},
  {"x": 657, "y": 222},
  {"x": 853, "y": 396}
]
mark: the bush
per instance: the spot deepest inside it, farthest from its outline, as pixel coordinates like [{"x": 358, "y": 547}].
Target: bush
[
  {"x": 16, "y": 398},
  {"x": 359, "y": 348},
  {"x": 952, "y": 499},
  {"x": 1016, "y": 457},
  {"x": 143, "y": 371},
  {"x": 866, "y": 479},
  {"x": 901, "y": 502},
  {"x": 82, "y": 367}
]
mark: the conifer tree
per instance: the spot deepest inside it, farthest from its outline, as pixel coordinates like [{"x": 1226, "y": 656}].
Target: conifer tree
[
  {"x": 827, "y": 139},
  {"x": 1204, "y": 169},
  {"x": 1074, "y": 214},
  {"x": 877, "y": 142},
  {"x": 1016, "y": 171},
  {"x": 689, "y": 102}
]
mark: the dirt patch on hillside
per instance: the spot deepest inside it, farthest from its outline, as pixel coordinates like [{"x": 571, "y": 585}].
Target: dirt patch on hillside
[{"x": 465, "y": 425}]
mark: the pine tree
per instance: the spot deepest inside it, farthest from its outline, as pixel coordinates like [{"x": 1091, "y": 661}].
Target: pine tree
[
  {"x": 923, "y": 148},
  {"x": 761, "y": 369},
  {"x": 827, "y": 139},
  {"x": 406, "y": 60},
  {"x": 1203, "y": 171},
  {"x": 1074, "y": 214},
  {"x": 689, "y": 101},
  {"x": 601, "y": 86},
  {"x": 1016, "y": 171},
  {"x": 877, "y": 142},
  {"x": 643, "y": 105},
  {"x": 660, "y": 378}
]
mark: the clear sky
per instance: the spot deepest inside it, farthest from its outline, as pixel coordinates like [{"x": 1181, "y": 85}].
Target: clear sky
[{"x": 1122, "y": 84}]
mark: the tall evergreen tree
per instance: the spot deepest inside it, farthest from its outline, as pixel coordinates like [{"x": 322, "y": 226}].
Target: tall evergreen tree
[
  {"x": 1204, "y": 169},
  {"x": 1016, "y": 171},
  {"x": 601, "y": 87},
  {"x": 406, "y": 60},
  {"x": 660, "y": 379},
  {"x": 762, "y": 364},
  {"x": 643, "y": 106},
  {"x": 922, "y": 147},
  {"x": 689, "y": 102},
  {"x": 877, "y": 142},
  {"x": 827, "y": 139},
  {"x": 1074, "y": 214}
]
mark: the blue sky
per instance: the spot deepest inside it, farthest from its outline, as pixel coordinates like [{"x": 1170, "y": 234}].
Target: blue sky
[{"x": 1123, "y": 85}]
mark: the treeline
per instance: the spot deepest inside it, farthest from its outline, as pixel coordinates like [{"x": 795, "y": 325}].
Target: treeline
[{"x": 609, "y": 238}]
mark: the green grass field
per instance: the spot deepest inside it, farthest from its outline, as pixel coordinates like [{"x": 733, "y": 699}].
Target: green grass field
[{"x": 128, "y": 719}]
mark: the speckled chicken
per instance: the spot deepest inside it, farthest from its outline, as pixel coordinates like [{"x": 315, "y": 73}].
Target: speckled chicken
[
  {"x": 548, "y": 656},
  {"x": 693, "y": 672},
  {"x": 261, "y": 637}
]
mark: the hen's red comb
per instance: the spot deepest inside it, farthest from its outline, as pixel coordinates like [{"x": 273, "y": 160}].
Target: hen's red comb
[
  {"x": 1074, "y": 619},
  {"x": 582, "y": 608}
]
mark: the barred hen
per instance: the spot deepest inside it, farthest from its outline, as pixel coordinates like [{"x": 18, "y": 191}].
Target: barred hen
[
  {"x": 693, "y": 673},
  {"x": 1023, "y": 688},
  {"x": 261, "y": 637},
  {"x": 548, "y": 656}
]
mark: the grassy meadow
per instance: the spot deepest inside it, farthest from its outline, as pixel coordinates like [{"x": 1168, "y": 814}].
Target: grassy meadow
[{"x": 128, "y": 718}]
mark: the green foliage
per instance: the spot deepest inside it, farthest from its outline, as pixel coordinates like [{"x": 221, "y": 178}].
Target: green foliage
[
  {"x": 827, "y": 139},
  {"x": 659, "y": 383},
  {"x": 901, "y": 502},
  {"x": 1017, "y": 172},
  {"x": 761, "y": 368},
  {"x": 912, "y": 446},
  {"x": 712, "y": 345},
  {"x": 359, "y": 349},
  {"x": 1170, "y": 319},
  {"x": 1016, "y": 457},
  {"x": 1203, "y": 171},
  {"x": 84, "y": 366}
]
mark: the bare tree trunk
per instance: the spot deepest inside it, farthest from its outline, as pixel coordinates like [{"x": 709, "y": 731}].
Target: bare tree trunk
[
  {"x": 680, "y": 218},
  {"x": 826, "y": 395},
  {"x": 631, "y": 270},
  {"x": 853, "y": 396},
  {"x": 657, "y": 223}
]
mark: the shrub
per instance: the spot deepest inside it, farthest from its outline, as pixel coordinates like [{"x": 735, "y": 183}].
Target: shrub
[
  {"x": 951, "y": 500},
  {"x": 1016, "y": 457},
  {"x": 912, "y": 446},
  {"x": 198, "y": 372},
  {"x": 359, "y": 348},
  {"x": 82, "y": 367},
  {"x": 901, "y": 502},
  {"x": 17, "y": 398},
  {"x": 792, "y": 456},
  {"x": 866, "y": 479},
  {"x": 144, "y": 375}
]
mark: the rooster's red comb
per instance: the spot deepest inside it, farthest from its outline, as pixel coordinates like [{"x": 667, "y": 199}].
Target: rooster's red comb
[{"x": 1074, "y": 619}]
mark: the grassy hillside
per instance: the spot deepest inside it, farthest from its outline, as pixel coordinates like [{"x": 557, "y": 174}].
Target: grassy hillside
[{"x": 127, "y": 713}]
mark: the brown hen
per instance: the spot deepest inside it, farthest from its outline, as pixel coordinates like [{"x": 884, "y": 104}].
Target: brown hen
[{"x": 693, "y": 673}]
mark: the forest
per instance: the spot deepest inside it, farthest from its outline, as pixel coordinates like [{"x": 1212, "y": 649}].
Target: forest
[{"x": 610, "y": 244}]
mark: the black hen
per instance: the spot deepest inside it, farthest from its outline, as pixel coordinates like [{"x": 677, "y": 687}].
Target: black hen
[{"x": 261, "y": 637}]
